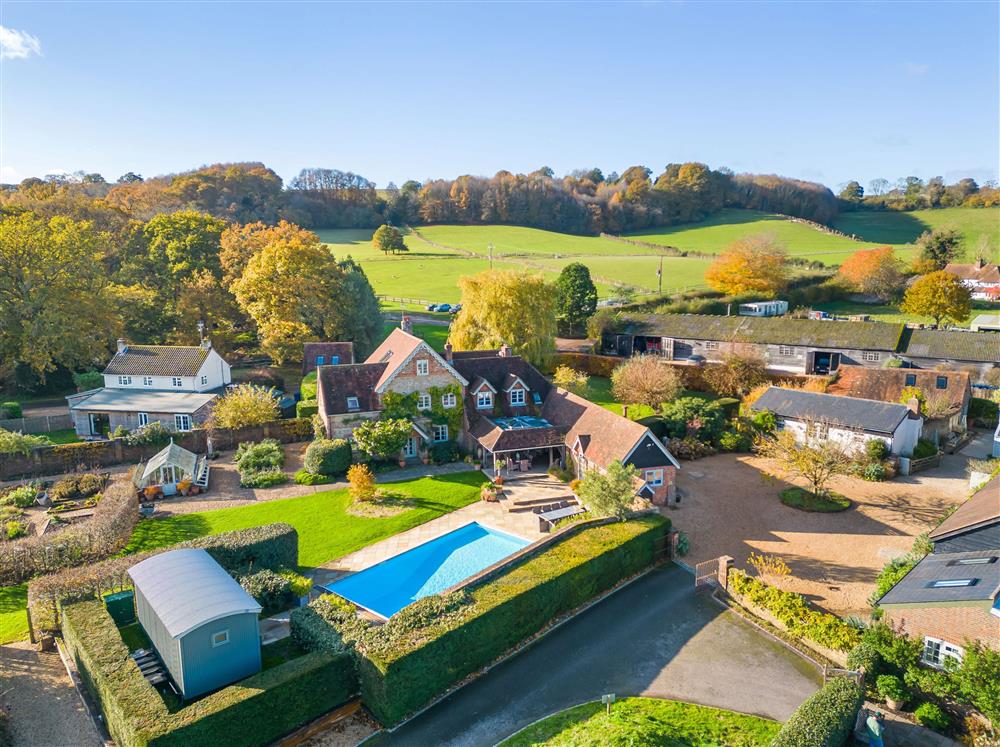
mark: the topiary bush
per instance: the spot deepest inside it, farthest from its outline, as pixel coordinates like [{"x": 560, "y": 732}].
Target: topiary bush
[
  {"x": 328, "y": 457},
  {"x": 306, "y": 408},
  {"x": 267, "y": 478},
  {"x": 825, "y": 719},
  {"x": 931, "y": 716},
  {"x": 271, "y": 590},
  {"x": 305, "y": 477}
]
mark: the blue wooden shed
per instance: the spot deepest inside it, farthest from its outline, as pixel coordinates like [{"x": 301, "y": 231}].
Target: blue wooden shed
[{"x": 201, "y": 622}]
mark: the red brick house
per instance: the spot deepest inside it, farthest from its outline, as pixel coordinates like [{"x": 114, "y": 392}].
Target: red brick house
[
  {"x": 953, "y": 594},
  {"x": 509, "y": 411}
]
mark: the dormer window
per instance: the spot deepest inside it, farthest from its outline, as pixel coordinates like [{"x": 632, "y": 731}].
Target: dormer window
[
  {"x": 124, "y": 381},
  {"x": 484, "y": 400},
  {"x": 147, "y": 381},
  {"x": 517, "y": 398},
  {"x": 177, "y": 381},
  {"x": 423, "y": 367},
  {"x": 320, "y": 360},
  {"x": 353, "y": 404}
]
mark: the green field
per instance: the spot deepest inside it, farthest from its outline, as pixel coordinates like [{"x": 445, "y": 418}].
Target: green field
[
  {"x": 647, "y": 721},
  {"x": 13, "y": 615},
  {"x": 521, "y": 240},
  {"x": 894, "y": 315},
  {"x": 894, "y": 227},
  {"x": 679, "y": 273},
  {"x": 326, "y": 530}
]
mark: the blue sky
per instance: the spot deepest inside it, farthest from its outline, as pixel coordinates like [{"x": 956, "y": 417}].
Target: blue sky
[{"x": 826, "y": 92}]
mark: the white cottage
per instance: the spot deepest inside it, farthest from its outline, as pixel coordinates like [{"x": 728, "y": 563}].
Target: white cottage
[{"x": 173, "y": 384}]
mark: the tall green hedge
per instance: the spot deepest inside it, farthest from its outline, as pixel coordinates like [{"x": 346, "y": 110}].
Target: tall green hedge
[
  {"x": 423, "y": 650},
  {"x": 826, "y": 719},
  {"x": 250, "y": 713}
]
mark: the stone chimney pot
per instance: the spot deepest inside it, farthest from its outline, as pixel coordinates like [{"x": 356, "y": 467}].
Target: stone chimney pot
[
  {"x": 447, "y": 352},
  {"x": 406, "y": 325},
  {"x": 505, "y": 351},
  {"x": 914, "y": 405},
  {"x": 122, "y": 345}
]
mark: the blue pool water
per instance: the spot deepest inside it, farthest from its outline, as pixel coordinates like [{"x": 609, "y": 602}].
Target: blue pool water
[{"x": 427, "y": 569}]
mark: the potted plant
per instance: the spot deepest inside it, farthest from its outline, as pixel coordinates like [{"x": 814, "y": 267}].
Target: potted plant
[
  {"x": 892, "y": 690},
  {"x": 489, "y": 493},
  {"x": 184, "y": 486},
  {"x": 152, "y": 492}
]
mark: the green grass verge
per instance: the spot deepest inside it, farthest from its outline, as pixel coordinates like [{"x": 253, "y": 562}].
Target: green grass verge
[
  {"x": 63, "y": 436},
  {"x": 895, "y": 227},
  {"x": 647, "y": 721},
  {"x": 326, "y": 530},
  {"x": 13, "y": 613},
  {"x": 805, "y": 500},
  {"x": 277, "y": 653}
]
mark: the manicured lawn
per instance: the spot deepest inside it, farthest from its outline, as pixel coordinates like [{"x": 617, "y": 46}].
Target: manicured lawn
[
  {"x": 435, "y": 334},
  {"x": 806, "y": 500},
  {"x": 13, "y": 613},
  {"x": 894, "y": 227},
  {"x": 326, "y": 530},
  {"x": 894, "y": 315},
  {"x": 647, "y": 721},
  {"x": 599, "y": 392},
  {"x": 62, "y": 436}
]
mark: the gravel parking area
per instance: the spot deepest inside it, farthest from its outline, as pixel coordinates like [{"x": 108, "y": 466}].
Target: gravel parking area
[
  {"x": 730, "y": 506},
  {"x": 44, "y": 707}
]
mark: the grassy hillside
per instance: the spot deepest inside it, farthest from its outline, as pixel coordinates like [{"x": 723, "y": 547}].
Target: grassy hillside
[
  {"x": 520, "y": 240},
  {"x": 892, "y": 227}
]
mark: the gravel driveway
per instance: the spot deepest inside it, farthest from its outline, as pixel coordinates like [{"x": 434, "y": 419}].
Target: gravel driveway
[{"x": 730, "y": 507}]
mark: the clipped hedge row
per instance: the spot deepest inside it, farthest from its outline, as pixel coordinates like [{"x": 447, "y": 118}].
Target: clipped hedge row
[
  {"x": 273, "y": 546},
  {"x": 825, "y": 719},
  {"x": 794, "y": 613},
  {"x": 249, "y": 713},
  {"x": 423, "y": 650}
]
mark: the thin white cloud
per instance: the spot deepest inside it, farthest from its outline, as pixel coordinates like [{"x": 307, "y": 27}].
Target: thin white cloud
[
  {"x": 916, "y": 68},
  {"x": 18, "y": 45},
  {"x": 9, "y": 175}
]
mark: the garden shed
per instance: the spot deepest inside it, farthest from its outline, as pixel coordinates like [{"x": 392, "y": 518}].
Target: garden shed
[
  {"x": 173, "y": 465},
  {"x": 201, "y": 622}
]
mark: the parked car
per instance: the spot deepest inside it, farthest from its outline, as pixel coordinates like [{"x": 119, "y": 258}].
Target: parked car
[
  {"x": 432, "y": 307},
  {"x": 443, "y": 307},
  {"x": 456, "y": 308}
]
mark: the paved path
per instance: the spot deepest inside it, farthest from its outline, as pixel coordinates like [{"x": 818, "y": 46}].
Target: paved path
[
  {"x": 654, "y": 638},
  {"x": 45, "y": 710}
]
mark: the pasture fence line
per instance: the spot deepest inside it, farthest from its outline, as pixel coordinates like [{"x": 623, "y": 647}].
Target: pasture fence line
[
  {"x": 401, "y": 299},
  {"x": 38, "y": 423}
]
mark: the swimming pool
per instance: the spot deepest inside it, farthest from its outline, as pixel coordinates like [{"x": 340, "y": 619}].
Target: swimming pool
[{"x": 427, "y": 569}]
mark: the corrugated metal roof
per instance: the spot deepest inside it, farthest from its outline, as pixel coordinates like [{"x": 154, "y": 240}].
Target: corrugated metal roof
[
  {"x": 864, "y": 414},
  {"x": 772, "y": 330},
  {"x": 187, "y": 588},
  {"x": 172, "y": 454},
  {"x": 917, "y": 586},
  {"x": 143, "y": 400},
  {"x": 158, "y": 360}
]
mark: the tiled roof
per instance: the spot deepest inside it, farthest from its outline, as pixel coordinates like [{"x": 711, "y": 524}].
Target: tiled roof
[
  {"x": 887, "y": 384},
  {"x": 343, "y": 350},
  {"x": 985, "y": 273},
  {"x": 916, "y": 587},
  {"x": 948, "y": 344},
  {"x": 355, "y": 380},
  {"x": 981, "y": 509},
  {"x": 603, "y": 435},
  {"x": 393, "y": 352},
  {"x": 863, "y": 414},
  {"x": 771, "y": 330},
  {"x": 158, "y": 360}
]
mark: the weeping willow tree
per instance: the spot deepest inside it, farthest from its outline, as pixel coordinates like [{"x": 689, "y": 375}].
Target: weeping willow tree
[{"x": 507, "y": 306}]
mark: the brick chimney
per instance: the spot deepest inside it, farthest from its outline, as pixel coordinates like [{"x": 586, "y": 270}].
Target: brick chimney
[
  {"x": 914, "y": 405},
  {"x": 447, "y": 352},
  {"x": 122, "y": 345},
  {"x": 981, "y": 262},
  {"x": 505, "y": 351},
  {"x": 206, "y": 343},
  {"x": 624, "y": 411},
  {"x": 406, "y": 325}
]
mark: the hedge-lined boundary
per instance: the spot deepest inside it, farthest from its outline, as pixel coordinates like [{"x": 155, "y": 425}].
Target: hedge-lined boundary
[
  {"x": 273, "y": 546},
  {"x": 790, "y": 611},
  {"x": 53, "y": 460},
  {"x": 105, "y": 533},
  {"x": 250, "y": 713},
  {"x": 432, "y": 644},
  {"x": 825, "y": 719}
]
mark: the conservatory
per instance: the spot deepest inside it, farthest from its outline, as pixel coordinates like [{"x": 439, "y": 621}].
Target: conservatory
[{"x": 171, "y": 467}]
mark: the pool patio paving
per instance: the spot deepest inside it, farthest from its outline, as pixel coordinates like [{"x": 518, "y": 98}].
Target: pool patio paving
[{"x": 492, "y": 515}]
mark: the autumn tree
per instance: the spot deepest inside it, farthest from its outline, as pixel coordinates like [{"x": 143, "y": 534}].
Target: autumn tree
[
  {"x": 874, "y": 272},
  {"x": 852, "y": 192},
  {"x": 939, "y": 295},
  {"x": 506, "y": 307},
  {"x": 756, "y": 264},
  {"x": 53, "y": 303},
  {"x": 180, "y": 244},
  {"x": 388, "y": 239},
  {"x": 243, "y": 405},
  {"x": 817, "y": 460},
  {"x": 939, "y": 246},
  {"x": 576, "y": 297},
  {"x": 293, "y": 288},
  {"x": 203, "y": 299},
  {"x": 739, "y": 372},
  {"x": 646, "y": 380},
  {"x": 571, "y": 380}
]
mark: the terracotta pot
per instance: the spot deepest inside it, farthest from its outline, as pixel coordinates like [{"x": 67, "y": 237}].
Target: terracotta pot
[{"x": 402, "y": 462}]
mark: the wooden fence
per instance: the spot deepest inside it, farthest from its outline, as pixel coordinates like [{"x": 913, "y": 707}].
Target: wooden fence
[{"x": 38, "y": 423}]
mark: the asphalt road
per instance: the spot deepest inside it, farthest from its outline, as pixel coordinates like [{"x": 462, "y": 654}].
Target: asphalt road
[{"x": 656, "y": 638}]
